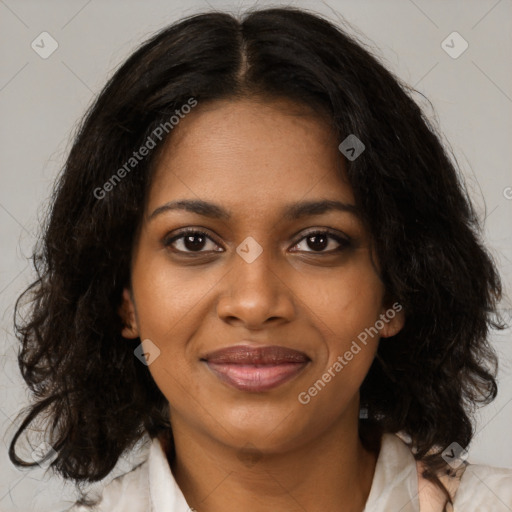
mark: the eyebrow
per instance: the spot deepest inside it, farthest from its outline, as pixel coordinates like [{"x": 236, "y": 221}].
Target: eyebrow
[{"x": 291, "y": 211}]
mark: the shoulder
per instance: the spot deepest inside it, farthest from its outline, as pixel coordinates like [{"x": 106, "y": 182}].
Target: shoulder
[
  {"x": 484, "y": 487},
  {"x": 473, "y": 487},
  {"x": 126, "y": 493}
]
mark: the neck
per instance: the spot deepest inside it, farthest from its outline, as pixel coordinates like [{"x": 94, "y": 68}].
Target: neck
[{"x": 331, "y": 473}]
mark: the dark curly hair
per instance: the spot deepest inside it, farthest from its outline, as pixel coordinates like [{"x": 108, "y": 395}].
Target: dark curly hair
[{"x": 95, "y": 397}]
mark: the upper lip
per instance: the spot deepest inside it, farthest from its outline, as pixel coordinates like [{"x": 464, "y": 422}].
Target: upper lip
[{"x": 244, "y": 354}]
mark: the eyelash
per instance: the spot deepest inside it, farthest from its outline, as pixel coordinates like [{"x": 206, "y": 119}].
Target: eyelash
[{"x": 345, "y": 243}]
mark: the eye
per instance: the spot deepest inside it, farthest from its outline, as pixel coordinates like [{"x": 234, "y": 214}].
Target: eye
[
  {"x": 320, "y": 240},
  {"x": 190, "y": 241}
]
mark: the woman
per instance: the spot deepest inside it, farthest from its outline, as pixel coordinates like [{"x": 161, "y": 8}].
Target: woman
[{"x": 261, "y": 260}]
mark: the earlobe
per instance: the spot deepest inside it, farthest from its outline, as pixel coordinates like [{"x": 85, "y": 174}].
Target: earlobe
[
  {"x": 393, "y": 320},
  {"x": 127, "y": 313}
]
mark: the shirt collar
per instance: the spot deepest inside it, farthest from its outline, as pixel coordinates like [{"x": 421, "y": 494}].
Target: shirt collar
[
  {"x": 164, "y": 492},
  {"x": 395, "y": 482},
  {"x": 394, "y": 485}
]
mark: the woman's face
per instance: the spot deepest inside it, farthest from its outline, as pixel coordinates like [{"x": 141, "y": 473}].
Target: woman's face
[{"x": 258, "y": 277}]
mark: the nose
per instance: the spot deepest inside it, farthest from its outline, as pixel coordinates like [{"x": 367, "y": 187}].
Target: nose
[{"x": 256, "y": 294}]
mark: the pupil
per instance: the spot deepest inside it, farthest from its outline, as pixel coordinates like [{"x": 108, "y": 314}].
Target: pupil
[
  {"x": 190, "y": 245},
  {"x": 323, "y": 243}
]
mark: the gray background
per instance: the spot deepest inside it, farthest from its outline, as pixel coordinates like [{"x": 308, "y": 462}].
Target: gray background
[{"x": 41, "y": 101}]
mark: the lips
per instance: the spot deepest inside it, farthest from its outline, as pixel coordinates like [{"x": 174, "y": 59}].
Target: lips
[{"x": 256, "y": 369}]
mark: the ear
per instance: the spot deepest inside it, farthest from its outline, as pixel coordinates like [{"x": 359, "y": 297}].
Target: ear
[
  {"x": 393, "y": 318},
  {"x": 127, "y": 314}
]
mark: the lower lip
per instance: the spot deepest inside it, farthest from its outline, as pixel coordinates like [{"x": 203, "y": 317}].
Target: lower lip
[{"x": 255, "y": 377}]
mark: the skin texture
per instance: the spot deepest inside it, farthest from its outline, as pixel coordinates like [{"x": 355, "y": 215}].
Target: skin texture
[{"x": 238, "y": 450}]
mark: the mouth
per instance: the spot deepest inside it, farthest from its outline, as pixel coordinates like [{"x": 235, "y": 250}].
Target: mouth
[{"x": 256, "y": 369}]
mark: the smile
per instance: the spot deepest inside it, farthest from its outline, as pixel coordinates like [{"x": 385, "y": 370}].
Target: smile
[{"x": 256, "y": 369}]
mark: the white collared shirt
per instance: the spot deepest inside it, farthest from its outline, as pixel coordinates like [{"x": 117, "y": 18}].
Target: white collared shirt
[{"x": 151, "y": 487}]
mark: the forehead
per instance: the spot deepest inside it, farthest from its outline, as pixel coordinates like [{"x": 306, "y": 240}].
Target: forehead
[{"x": 246, "y": 153}]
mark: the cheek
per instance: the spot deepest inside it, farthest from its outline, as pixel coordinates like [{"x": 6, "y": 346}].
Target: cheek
[
  {"x": 171, "y": 305},
  {"x": 168, "y": 298},
  {"x": 348, "y": 309},
  {"x": 346, "y": 303},
  {"x": 167, "y": 310}
]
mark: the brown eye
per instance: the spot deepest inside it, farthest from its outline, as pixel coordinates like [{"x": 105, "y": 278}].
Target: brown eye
[
  {"x": 318, "y": 241},
  {"x": 190, "y": 241}
]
